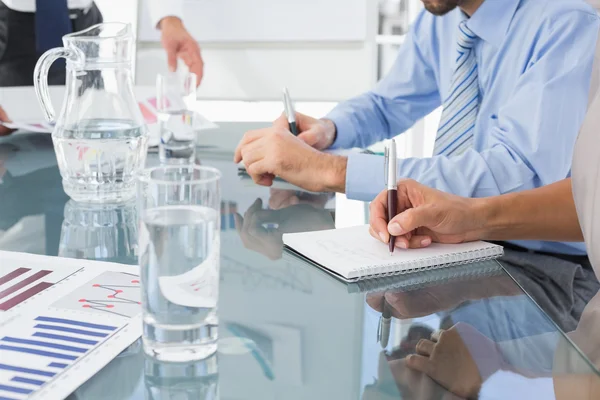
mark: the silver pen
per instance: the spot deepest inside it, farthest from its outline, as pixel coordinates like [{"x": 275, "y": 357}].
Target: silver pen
[
  {"x": 385, "y": 324},
  {"x": 290, "y": 112}
]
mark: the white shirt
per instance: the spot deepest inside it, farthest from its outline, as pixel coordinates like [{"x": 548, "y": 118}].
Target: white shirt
[{"x": 158, "y": 8}]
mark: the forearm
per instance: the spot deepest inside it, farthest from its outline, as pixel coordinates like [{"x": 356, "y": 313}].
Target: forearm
[
  {"x": 546, "y": 213},
  {"x": 359, "y": 122}
]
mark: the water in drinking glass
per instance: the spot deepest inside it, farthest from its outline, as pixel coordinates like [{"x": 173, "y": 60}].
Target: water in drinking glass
[
  {"x": 177, "y": 137},
  {"x": 179, "y": 263},
  {"x": 175, "y": 100}
]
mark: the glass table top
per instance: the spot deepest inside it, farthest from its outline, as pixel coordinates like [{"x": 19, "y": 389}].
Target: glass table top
[{"x": 290, "y": 331}]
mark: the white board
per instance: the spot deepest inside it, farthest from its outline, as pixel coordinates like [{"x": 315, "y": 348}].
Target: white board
[{"x": 267, "y": 20}]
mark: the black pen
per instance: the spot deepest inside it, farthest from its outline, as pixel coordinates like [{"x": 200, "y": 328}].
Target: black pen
[
  {"x": 392, "y": 191},
  {"x": 290, "y": 112}
]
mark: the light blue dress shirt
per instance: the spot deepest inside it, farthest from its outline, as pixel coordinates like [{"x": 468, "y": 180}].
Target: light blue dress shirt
[{"x": 534, "y": 61}]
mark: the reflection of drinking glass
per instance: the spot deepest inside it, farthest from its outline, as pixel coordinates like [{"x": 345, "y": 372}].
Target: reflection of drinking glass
[
  {"x": 175, "y": 98},
  {"x": 100, "y": 232},
  {"x": 179, "y": 261},
  {"x": 198, "y": 380}
]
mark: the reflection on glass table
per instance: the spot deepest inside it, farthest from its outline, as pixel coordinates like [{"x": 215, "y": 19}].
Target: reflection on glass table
[
  {"x": 31, "y": 194},
  {"x": 474, "y": 334},
  {"x": 262, "y": 230},
  {"x": 102, "y": 232},
  {"x": 197, "y": 380}
]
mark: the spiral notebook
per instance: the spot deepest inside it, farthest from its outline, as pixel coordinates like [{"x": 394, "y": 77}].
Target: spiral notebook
[{"x": 351, "y": 254}]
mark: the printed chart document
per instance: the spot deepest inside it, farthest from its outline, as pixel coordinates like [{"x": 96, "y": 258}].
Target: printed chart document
[
  {"x": 61, "y": 321},
  {"x": 351, "y": 254}
]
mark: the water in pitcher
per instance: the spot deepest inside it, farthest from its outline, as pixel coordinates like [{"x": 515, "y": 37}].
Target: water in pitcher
[
  {"x": 179, "y": 263},
  {"x": 100, "y": 159}
]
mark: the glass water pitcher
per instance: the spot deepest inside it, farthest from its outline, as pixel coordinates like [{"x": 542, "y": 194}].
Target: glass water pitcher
[{"x": 99, "y": 136}]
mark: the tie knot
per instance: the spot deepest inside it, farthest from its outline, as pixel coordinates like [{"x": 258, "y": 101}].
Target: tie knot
[{"x": 466, "y": 37}]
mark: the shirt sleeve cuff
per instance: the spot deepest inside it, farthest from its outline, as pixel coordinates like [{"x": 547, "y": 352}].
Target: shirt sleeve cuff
[
  {"x": 364, "y": 176},
  {"x": 344, "y": 130},
  {"x": 160, "y": 9}
]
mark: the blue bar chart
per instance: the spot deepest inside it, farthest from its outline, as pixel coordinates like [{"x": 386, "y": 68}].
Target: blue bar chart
[{"x": 32, "y": 358}]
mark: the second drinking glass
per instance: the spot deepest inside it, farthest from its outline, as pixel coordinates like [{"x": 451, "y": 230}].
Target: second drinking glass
[{"x": 175, "y": 98}]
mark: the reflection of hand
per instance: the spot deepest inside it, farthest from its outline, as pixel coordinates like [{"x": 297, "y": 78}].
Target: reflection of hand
[
  {"x": 269, "y": 241},
  {"x": 426, "y": 301},
  {"x": 274, "y": 151},
  {"x": 178, "y": 43},
  {"x": 286, "y": 198},
  {"x": 318, "y": 133},
  {"x": 4, "y": 118},
  {"x": 449, "y": 361},
  {"x": 395, "y": 380},
  {"x": 425, "y": 214},
  {"x": 255, "y": 236}
]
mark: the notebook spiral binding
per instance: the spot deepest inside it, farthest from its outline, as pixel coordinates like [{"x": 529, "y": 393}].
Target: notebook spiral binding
[
  {"x": 424, "y": 279},
  {"x": 428, "y": 264}
]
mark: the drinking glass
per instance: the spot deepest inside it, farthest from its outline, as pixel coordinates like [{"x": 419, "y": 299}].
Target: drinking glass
[
  {"x": 179, "y": 261},
  {"x": 175, "y": 98}
]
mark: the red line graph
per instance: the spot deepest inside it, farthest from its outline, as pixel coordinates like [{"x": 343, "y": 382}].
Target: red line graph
[{"x": 117, "y": 296}]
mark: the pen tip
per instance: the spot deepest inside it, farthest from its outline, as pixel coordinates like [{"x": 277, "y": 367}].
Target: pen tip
[{"x": 391, "y": 253}]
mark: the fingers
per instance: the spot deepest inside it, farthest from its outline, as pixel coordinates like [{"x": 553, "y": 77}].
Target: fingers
[
  {"x": 197, "y": 67},
  {"x": 375, "y": 301},
  {"x": 239, "y": 222},
  {"x": 419, "y": 241},
  {"x": 411, "y": 219},
  {"x": 249, "y": 137},
  {"x": 378, "y": 218},
  {"x": 260, "y": 173},
  {"x": 194, "y": 63},
  {"x": 4, "y": 118},
  {"x": 282, "y": 198},
  {"x": 425, "y": 347},
  {"x": 172, "y": 58},
  {"x": 418, "y": 363}
]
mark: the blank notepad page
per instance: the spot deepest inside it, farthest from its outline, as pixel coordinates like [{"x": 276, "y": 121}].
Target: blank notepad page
[{"x": 354, "y": 254}]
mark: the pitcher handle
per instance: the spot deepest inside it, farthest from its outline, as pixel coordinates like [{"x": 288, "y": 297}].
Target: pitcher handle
[{"x": 40, "y": 77}]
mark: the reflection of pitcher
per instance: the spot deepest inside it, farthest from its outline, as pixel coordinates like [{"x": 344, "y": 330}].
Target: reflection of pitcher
[
  {"x": 99, "y": 138},
  {"x": 98, "y": 232}
]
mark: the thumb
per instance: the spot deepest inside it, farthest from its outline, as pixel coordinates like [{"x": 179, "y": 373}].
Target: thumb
[
  {"x": 310, "y": 137},
  {"x": 281, "y": 122},
  {"x": 172, "y": 59},
  {"x": 412, "y": 219}
]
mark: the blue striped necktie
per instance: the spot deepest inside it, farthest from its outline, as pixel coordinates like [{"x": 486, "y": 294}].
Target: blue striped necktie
[
  {"x": 455, "y": 134},
  {"x": 52, "y": 22}
]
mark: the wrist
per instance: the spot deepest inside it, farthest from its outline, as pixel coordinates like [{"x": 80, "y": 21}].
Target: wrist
[
  {"x": 484, "y": 213},
  {"x": 334, "y": 177},
  {"x": 330, "y": 131},
  {"x": 170, "y": 21}
]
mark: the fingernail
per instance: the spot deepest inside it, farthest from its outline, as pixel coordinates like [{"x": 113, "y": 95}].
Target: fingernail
[
  {"x": 402, "y": 245},
  {"x": 382, "y": 237},
  {"x": 425, "y": 242},
  {"x": 395, "y": 229}
]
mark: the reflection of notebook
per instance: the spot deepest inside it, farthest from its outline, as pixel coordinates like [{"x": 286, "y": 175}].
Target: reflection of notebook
[{"x": 351, "y": 254}]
